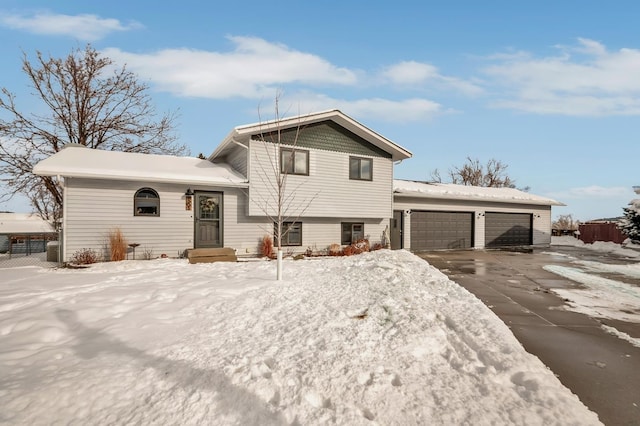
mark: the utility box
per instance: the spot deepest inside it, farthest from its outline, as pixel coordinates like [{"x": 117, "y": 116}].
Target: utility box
[{"x": 52, "y": 251}]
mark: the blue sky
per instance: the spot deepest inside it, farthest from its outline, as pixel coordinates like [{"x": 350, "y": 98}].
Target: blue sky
[{"x": 549, "y": 88}]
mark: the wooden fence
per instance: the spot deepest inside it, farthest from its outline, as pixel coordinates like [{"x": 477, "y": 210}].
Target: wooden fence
[{"x": 600, "y": 231}]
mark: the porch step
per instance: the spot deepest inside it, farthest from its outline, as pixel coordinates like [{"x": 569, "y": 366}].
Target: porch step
[{"x": 209, "y": 255}]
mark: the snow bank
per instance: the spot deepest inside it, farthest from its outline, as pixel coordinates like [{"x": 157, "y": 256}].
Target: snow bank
[
  {"x": 380, "y": 338},
  {"x": 599, "y": 246}
]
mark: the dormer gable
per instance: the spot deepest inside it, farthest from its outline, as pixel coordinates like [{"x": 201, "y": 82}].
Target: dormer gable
[{"x": 328, "y": 130}]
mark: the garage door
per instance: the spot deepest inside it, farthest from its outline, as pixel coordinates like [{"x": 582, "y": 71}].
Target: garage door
[
  {"x": 507, "y": 229},
  {"x": 432, "y": 230}
]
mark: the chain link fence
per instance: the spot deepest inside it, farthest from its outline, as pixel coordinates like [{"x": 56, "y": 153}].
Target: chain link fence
[{"x": 18, "y": 250}]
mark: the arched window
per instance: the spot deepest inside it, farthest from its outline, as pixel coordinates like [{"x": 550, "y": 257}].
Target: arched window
[{"x": 146, "y": 202}]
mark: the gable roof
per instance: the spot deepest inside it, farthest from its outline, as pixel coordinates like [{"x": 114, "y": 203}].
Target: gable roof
[
  {"x": 449, "y": 191},
  {"x": 23, "y": 223},
  {"x": 242, "y": 134},
  {"x": 79, "y": 161}
]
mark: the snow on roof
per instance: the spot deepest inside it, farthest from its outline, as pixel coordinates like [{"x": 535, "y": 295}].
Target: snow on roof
[
  {"x": 100, "y": 164},
  {"x": 466, "y": 192},
  {"x": 23, "y": 223}
]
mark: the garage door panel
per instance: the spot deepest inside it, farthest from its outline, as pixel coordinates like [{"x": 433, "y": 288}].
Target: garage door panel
[
  {"x": 435, "y": 230},
  {"x": 508, "y": 229}
]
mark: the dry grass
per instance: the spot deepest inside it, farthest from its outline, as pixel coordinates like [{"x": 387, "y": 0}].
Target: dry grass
[
  {"x": 266, "y": 246},
  {"x": 117, "y": 245}
]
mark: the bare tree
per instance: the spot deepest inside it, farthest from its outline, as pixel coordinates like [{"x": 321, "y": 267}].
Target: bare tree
[
  {"x": 565, "y": 222},
  {"x": 84, "y": 102},
  {"x": 280, "y": 202},
  {"x": 491, "y": 174}
]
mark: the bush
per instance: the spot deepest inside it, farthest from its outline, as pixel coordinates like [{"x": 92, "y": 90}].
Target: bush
[
  {"x": 335, "y": 250},
  {"x": 361, "y": 246},
  {"x": 349, "y": 250},
  {"x": 84, "y": 257},
  {"x": 377, "y": 246},
  {"x": 117, "y": 245},
  {"x": 266, "y": 247}
]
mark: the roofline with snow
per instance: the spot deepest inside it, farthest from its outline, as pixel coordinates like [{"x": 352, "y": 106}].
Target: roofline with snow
[{"x": 541, "y": 201}]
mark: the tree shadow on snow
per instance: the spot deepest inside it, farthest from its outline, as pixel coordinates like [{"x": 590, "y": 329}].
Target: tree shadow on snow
[{"x": 233, "y": 400}]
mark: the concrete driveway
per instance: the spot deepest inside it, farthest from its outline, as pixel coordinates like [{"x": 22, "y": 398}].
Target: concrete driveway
[{"x": 603, "y": 370}]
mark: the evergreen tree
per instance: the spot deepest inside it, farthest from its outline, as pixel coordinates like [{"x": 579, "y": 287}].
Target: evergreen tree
[{"x": 630, "y": 223}]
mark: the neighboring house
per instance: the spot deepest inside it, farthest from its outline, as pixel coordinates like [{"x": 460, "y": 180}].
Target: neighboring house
[
  {"x": 340, "y": 188},
  {"x": 22, "y": 233}
]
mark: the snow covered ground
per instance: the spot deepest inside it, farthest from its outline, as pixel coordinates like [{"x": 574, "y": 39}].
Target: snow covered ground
[
  {"x": 379, "y": 338},
  {"x": 616, "y": 298}
]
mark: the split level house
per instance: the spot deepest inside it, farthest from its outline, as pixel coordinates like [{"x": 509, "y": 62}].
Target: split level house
[{"x": 339, "y": 188}]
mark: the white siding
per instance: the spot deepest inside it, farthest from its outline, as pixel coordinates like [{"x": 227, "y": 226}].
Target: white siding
[
  {"x": 541, "y": 216},
  {"x": 94, "y": 207},
  {"x": 326, "y": 192},
  {"x": 237, "y": 158}
]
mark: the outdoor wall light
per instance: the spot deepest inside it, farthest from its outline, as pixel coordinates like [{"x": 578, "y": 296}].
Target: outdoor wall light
[{"x": 188, "y": 199}]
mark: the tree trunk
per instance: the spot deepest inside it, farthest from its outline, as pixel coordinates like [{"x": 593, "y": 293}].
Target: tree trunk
[{"x": 279, "y": 265}]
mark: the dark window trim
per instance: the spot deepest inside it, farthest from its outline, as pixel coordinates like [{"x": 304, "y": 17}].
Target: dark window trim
[
  {"x": 136, "y": 199},
  {"x": 350, "y": 224},
  {"x": 292, "y": 157},
  {"x": 285, "y": 232},
  {"x": 220, "y": 218},
  {"x": 359, "y": 176}
]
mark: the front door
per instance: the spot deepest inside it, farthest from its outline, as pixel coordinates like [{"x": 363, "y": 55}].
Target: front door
[
  {"x": 396, "y": 230},
  {"x": 208, "y": 219}
]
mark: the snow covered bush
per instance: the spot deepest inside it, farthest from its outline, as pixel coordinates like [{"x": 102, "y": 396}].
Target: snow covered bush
[
  {"x": 335, "y": 249},
  {"x": 630, "y": 223}
]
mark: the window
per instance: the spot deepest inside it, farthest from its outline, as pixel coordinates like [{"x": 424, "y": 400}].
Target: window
[
  {"x": 360, "y": 168},
  {"x": 146, "y": 202},
  {"x": 294, "y": 161},
  {"x": 352, "y": 232},
  {"x": 291, "y": 233}
]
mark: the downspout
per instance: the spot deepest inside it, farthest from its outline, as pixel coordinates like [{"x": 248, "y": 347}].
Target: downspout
[{"x": 63, "y": 257}]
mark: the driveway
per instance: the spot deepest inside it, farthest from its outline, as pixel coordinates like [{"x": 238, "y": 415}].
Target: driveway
[{"x": 602, "y": 369}]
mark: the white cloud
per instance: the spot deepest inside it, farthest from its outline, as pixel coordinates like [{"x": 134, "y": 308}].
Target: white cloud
[
  {"x": 411, "y": 73},
  {"x": 402, "y": 111},
  {"x": 583, "y": 80},
  {"x": 258, "y": 69},
  {"x": 84, "y": 27},
  {"x": 255, "y": 68}
]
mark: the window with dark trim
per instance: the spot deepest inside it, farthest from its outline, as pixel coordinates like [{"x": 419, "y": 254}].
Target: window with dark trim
[
  {"x": 351, "y": 232},
  {"x": 294, "y": 161},
  {"x": 146, "y": 202},
  {"x": 360, "y": 168},
  {"x": 291, "y": 233}
]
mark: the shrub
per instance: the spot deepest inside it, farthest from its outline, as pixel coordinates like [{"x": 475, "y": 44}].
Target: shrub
[
  {"x": 361, "y": 246},
  {"x": 147, "y": 253},
  {"x": 335, "y": 250},
  {"x": 377, "y": 246},
  {"x": 349, "y": 250},
  {"x": 117, "y": 245},
  {"x": 84, "y": 256},
  {"x": 266, "y": 247}
]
